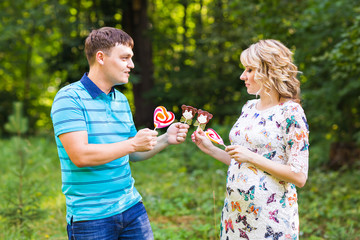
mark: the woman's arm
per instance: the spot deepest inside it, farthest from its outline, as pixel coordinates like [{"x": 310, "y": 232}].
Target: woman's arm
[
  {"x": 278, "y": 170},
  {"x": 175, "y": 134}
]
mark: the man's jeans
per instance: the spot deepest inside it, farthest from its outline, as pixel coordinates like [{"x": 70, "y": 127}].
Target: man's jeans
[{"x": 132, "y": 224}]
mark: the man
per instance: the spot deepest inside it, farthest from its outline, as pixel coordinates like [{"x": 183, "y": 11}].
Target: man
[{"x": 96, "y": 138}]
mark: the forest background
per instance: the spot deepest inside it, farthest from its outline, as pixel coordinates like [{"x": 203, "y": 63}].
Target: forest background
[{"x": 186, "y": 52}]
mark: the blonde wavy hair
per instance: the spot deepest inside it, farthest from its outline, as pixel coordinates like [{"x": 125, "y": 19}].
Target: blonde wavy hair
[{"x": 274, "y": 68}]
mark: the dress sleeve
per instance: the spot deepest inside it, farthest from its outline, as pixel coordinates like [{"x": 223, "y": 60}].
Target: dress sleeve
[{"x": 296, "y": 135}]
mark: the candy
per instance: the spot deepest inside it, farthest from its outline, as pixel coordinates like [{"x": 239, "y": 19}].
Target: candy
[
  {"x": 214, "y": 136},
  {"x": 162, "y": 117},
  {"x": 188, "y": 112},
  {"x": 202, "y": 119}
]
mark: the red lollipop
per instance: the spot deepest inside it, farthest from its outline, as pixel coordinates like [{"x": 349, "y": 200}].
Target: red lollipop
[
  {"x": 162, "y": 117},
  {"x": 214, "y": 136}
]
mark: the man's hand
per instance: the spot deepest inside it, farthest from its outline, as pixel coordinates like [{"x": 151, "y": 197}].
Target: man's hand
[
  {"x": 144, "y": 140},
  {"x": 176, "y": 133}
]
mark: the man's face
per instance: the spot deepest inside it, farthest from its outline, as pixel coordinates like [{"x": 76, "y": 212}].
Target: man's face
[{"x": 117, "y": 64}]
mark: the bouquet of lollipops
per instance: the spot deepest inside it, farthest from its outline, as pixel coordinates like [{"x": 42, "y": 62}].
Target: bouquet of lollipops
[{"x": 163, "y": 118}]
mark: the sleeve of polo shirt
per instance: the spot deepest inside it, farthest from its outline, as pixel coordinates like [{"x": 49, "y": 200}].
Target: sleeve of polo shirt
[
  {"x": 133, "y": 130},
  {"x": 67, "y": 113}
]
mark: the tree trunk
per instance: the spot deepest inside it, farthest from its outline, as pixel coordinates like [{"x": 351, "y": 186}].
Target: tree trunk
[
  {"x": 343, "y": 154},
  {"x": 135, "y": 22}
]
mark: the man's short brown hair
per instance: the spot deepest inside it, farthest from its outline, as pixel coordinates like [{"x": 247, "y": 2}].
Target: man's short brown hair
[{"x": 104, "y": 39}]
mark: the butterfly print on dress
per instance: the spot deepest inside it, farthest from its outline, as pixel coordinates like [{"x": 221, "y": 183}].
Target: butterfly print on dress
[
  {"x": 270, "y": 155},
  {"x": 271, "y": 199},
  {"x": 270, "y": 233},
  {"x": 242, "y": 219},
  {"x": 291, "y": 237},
  {"x": 243, "y": 234},
  {"x": 271, "y": 117},
  {"x": 286, "y": 222},
  {"x": 264, "y": 133},
  {"x": 247, "y": 194},
  {"x": 262, "y": 122},
  {"x": 255, "y": 171},
  {"x": 229, "y": 225},
  {"x": 273, "y": 215},
  {"x": 292, "y": 200},
  {"x": 306, "y": 124},
  {"x": 229, "y": 190},
  {"x": 254, "y": 209},
  {"x": 235, "y": 206},
  {"x": 291, "y": 121},
  {"x": 242, "y": 177},
  {"x": 305, "y": 147},
  {"x": 262, "y": 183},
  {"x": 247, "y": 139},
  {"x": 283, "y": 199}
]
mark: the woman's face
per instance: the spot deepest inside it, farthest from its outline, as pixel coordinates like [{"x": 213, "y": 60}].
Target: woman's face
[{"x": 248, "y": 76}]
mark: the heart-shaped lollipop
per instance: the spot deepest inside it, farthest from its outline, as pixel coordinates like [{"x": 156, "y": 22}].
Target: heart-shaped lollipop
[
  {"x": 214, "y": 136},
  {"x": 162, "y": 117}
]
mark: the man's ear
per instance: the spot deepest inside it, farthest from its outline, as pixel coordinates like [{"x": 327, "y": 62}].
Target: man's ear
[{"x": 100, "y": 57}]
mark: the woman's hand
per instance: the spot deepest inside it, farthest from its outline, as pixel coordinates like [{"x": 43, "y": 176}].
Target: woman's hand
[
  {"x": 202, "y": 141},
  {"x": 239, "y": 153},
  {"x": 204, "y": 144}
]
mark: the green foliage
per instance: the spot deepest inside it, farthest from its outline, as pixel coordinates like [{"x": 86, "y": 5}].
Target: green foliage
[
  {"x": 198, "y": 60},
  {"x": 196, "y": 46},
  {"x": 327, "y": 53},
  {"x": 183, "y": 191},
  {"x": 344, "y": 59},
  {"x": 17, "y": 123},
  {"x": 20, "y": 193},
  {"x": 330, "y": 205},
  {"x": 24, "y": 168},
  {"x": 29, "y": 38}
]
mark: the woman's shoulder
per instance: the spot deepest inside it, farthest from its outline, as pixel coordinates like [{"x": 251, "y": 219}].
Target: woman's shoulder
[
  {"x": 250, "y": 103},
  {"x": 291, "y": 107}
]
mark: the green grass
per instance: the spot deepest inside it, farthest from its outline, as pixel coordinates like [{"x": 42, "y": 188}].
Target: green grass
[{"x": 183, "y": 191}]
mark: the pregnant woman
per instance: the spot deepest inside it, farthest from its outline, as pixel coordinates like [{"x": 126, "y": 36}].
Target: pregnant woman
[{"x": 268, "y": 155}]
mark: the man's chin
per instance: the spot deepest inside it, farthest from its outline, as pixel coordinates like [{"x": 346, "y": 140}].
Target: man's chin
[{"x": 122, "y": 83}]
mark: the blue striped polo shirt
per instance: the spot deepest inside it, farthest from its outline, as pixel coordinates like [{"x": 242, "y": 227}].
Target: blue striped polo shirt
[{"x": 100, "y": 191}]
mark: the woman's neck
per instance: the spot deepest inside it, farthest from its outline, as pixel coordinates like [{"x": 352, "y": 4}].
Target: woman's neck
[{"x": 269, "y": 100}]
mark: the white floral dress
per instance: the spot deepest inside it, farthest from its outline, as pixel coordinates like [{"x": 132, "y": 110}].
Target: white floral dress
[{"x": 258, "y": 205}]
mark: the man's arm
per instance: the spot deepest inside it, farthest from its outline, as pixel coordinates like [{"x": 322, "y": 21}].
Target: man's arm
[
  {"x": 83, "y": 154},
  {"x": 175, "y": 134}
]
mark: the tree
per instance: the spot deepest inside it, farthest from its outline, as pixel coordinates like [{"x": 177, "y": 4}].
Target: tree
[
  {"x": 327, "y": 39},
  {"x": 26, "y": 29},
  {"x": 136, "y": 23}
]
